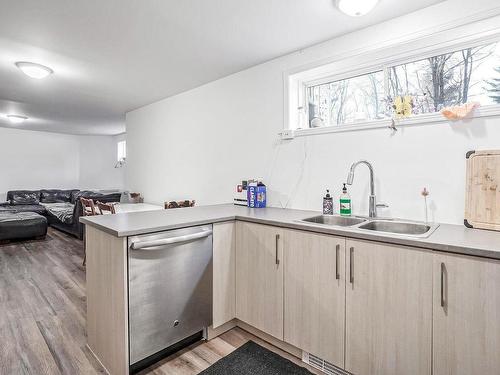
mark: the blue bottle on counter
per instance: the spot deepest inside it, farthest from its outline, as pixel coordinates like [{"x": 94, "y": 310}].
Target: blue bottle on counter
[{"x": 257, "y": 195}]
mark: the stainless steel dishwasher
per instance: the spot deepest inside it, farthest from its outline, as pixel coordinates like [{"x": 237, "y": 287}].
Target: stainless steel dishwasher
[{"x": 170, "y": 290}]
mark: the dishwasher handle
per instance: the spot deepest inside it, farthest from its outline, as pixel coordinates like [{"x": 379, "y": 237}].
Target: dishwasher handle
[{"x": 154, "y": 244}]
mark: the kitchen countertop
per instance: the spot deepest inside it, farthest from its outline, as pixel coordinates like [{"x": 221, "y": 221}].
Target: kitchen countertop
[
  {"x": 135, "y": 207},
  {"x": 447, "y": 237}
]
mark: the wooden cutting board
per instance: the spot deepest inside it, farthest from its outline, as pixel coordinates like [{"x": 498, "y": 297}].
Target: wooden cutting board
[{"x": 482, "y": 202}]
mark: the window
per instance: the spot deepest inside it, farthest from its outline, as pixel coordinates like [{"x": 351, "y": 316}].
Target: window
[
  {"x": 121, "y": 151},
  {"x": 472, "y": 74},
  {"x": 346, "y": 101},
  {"x": 432, "y": 83}
]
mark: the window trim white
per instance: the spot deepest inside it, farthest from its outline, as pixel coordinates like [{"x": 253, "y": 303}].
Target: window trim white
[
  {"x": 417, "y": 120},
  {"x": 119, "y": 149},
  {"x": 301, "y": 78}
]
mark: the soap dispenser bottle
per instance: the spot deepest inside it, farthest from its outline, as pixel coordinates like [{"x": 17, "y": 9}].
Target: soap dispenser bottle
[
  {"x": 327, "y": 204},
  {"x": 345, "y": 202}
]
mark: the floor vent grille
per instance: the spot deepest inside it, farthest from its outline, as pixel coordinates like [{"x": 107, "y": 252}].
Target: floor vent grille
[{"x": 322, "y": 365}]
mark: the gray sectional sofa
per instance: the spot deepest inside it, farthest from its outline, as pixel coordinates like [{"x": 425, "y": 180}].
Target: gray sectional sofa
[{"x": 26, "y": 209}]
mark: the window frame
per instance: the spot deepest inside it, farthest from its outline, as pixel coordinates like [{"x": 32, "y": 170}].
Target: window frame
[
  {"x": 118, "y": 148},
  {"x": 322, "y": 81},
  {"x": 297, "y": 81}
]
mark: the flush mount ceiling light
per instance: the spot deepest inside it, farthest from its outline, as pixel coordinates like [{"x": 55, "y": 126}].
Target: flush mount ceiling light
[
  {"x": 356, "y": 8},
  {"x": 16, "y": 119},
  {"x": 34, "y": 70}
]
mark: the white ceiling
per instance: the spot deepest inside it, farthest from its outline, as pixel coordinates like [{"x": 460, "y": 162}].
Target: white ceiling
[{"x": 112, "y": 56}]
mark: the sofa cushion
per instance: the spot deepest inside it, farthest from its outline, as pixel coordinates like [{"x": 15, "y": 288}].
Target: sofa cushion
[
  {"x": 75, "y": 194},
  {"x": 56, "y": 196},
  {"x": 62, "y": 211},
  {"x": 36, "y": 208},
  {"x": 22, "y": 225},
  {"x": 97, "y": 196},
  {"x": 7, "y": 208},
  {"x": 22, "y": 197},
  {"x": 88, "y": 194}
]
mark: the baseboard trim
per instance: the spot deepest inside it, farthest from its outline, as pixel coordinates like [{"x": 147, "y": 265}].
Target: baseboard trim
[
  {"x": 289, "y": 348},
  {"x": 214, "y": 332}
]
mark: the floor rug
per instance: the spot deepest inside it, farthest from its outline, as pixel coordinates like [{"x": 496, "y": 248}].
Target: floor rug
[{"x": 253, "y": 359}]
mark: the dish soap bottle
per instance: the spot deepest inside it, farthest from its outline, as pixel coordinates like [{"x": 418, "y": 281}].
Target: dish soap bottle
[
  {"x": 327, "y": 204},
  {"x": 345, "y": 202}
]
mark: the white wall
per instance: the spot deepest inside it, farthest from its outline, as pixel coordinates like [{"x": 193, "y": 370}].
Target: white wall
[
  {"x": 200, "y": 143},
  {"x": 38, "y": 160},
  {"x": 98, "y": 156}
]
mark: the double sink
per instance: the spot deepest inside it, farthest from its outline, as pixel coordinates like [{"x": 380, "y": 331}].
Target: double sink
[{"x": 384, "y": 226}]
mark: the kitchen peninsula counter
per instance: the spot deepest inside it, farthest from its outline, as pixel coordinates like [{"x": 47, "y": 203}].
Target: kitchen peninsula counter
[{"x": 447, "y": 237}]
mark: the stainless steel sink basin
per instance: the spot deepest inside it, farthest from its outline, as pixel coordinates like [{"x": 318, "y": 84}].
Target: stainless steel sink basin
[
  {"x": 393, "y": 227},
  {"x": 399, "y": 227},
  {"x": 341, "y": 221}
]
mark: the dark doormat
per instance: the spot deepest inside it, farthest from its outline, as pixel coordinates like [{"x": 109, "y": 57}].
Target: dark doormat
[{"x": 253, "y": 359}]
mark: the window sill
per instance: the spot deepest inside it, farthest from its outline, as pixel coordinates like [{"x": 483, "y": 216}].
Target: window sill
[{"x": 418, "y": 120}]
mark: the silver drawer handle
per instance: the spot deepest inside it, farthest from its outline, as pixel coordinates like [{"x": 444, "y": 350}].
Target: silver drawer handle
[
  {"x": 277, "y": 259},
  {"x": 145, "y": 245},
  {"x": 443, "y": 272},
  {"x": 351, "y": 265},
  {"x": 337, "y": 258}
]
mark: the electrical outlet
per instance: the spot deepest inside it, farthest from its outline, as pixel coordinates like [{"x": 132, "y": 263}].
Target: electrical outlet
[{"x": 287, "y": 134}]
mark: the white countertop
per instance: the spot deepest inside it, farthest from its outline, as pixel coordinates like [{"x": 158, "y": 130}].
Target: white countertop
[
  {"x": 135, "y": 207},
  {"x": 448, "y": 238}
]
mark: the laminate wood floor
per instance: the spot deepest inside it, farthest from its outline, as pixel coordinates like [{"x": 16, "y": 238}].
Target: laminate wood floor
[
  {"x": 43, "y": 313},
  {"x": 198, "y": 357}
]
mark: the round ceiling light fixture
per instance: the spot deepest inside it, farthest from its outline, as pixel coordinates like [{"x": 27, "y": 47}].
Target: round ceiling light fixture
[
  {"x": 356, "y": 8},
  {"x": 34, "y": 70},
  {"x": 16, "y": 119}
]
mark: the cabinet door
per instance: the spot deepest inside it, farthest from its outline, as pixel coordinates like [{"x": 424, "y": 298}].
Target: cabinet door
[
  {"x": 388, "y": 309},
  {"x": 224, "y": 281},
  {"x": 259, "y": 277},
  {"x": 315, "y": 294},
  {"x": 466, "y": 316}
]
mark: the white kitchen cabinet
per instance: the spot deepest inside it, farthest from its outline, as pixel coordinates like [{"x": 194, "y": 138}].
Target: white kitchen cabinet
[
  {"x": 314, "y": 302},
  {"x": 388, "y": 309},
  {"x": 259, "y": 277},
  {"x": 466, "y": 336}
]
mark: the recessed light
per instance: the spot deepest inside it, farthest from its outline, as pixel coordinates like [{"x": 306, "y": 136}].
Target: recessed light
[
  {"x": 356, "y": 8},
  {"x": 16, "y": 119},
  {"x": 34, "y": 70}
]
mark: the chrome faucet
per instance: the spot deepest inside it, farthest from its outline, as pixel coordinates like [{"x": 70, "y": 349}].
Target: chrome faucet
[{"x": 372, "y": 207}]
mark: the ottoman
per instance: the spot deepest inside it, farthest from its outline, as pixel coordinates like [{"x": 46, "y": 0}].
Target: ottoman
[{"x": 21, "y": 225}]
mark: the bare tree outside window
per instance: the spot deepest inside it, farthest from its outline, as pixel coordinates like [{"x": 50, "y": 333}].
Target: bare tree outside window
[
  {"x": 443, "y": 80},
  {"x": 471, "y": 74},
  {"x": 349, "y": 100}
]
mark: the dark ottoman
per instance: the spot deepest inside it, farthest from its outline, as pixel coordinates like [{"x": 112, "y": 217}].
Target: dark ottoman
[{"x": 21, "y": 225}]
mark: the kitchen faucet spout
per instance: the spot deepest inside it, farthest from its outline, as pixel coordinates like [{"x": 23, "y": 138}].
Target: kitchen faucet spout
[{"x": 372, "y": 208}]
